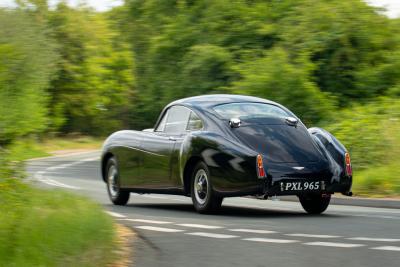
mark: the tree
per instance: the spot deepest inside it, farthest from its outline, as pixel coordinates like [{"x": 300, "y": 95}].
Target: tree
[
  {"x": 95, "y": 82},
  {"x": 275, "y": 77},
  {"x": 346, "y": 40},
  {"x": 342, "y": 48},
  {"x": 27, "y": 57}
]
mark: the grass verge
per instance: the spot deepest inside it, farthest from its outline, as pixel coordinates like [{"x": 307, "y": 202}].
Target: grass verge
[
  {"x": 29, "y": 148},
  {"x": 381, "y": 181},
  {"x": 52, "y": 228}
]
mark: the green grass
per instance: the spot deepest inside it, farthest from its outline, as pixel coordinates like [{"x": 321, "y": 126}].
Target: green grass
[
  {"x": 52, "y": 228},
  {"x": 382, "y": 181},
  {"x": 70, "y": 142},
  {"x": 30, "y": 148},
  {"x": 371, "y": 132}
]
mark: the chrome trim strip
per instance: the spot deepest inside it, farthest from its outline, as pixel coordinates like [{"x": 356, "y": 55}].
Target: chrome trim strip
[{"x": 135, "y": 148}]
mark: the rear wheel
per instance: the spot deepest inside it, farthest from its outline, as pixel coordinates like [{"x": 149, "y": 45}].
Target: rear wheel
[
  {"x": 204, "y": 198},
  {"x": 315, "y": 203},
  {"x": 117, "y": 195}
]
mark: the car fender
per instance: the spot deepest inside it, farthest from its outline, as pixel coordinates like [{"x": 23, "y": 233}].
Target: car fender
[
  {"x": 231, "y": 165},
  {"x": 333, "y": 150}
]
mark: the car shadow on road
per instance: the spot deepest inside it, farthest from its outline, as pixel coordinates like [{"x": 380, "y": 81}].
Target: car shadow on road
[{"x": 230, "y": 211}]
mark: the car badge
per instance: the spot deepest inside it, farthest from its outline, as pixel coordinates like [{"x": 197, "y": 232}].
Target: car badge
[{"x": 298, "y": 168}]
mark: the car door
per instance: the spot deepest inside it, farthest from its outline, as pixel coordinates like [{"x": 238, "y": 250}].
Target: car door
[
  {"x": 129, "y": 156},
  {"x": 194, "y": 124},
  {"x": 159, "y": 146}
]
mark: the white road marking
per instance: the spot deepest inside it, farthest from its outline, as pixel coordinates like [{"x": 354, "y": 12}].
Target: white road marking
[
  {"x": 115, "y": 214},
  {"x": 212, "y": 235},
  {"x": 203, "y": 226},
  {"x": 271, "y": 240},
  {"x": 53, "y": 168},
  {"x": 255, "y": 231},
  {"x": 369, "y": 216},
  {"x": 41, "y": 178},
  {"x": 374, "y": 239},
  {"x": 390, "y": 248},
  {"x": 40, "y": 175},
  {"x": 65, "y": 155},
  {"x": 159, "y": 229},
  {"x": 147, "y": 221},
  {"x": 313, "y": 236},
  {"x": 91, "y": 159},
  {"x": 59, "y": 184},
  {"x": 333, "y": 244}
]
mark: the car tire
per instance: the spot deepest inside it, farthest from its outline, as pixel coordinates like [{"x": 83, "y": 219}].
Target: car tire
[
  {"x": 315, "y": 203},
  {"x": 117, "y": 195},
  {"x": 203, "y": 196}
]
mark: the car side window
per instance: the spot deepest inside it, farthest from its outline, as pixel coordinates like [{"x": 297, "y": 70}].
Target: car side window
[
  {"x": 177, "y": 120},
  {"x": 194, "y": 123},
  {"x": 161, "y": 125}
]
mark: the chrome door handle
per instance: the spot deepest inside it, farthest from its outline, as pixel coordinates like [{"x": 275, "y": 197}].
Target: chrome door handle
[{"x": 172, "y": 138}]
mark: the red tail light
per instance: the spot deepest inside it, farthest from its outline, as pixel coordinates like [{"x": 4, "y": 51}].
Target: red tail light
[
  {"x": 260, "y": 167},
  {"x": 349, "y": 170}
]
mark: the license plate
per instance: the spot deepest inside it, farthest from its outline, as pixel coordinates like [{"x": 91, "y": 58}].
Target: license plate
[{"x": 302, "y": 186}]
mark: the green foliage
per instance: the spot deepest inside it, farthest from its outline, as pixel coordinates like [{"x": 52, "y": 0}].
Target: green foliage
[
  {"x": 372, "y": 134},
  {"x": 318, "y": 54},
  {"x": 51, "y": 228},
  {"x": 333, "y": 62},
  {"x": 379, "y": 181},
  {"x": 95, "y": 81},
  {"x": 344, "y": 39},
  {"x": 274, "y": 77},
  {"x": 205, "y": 68},
  {"x": 189, "y": 48},
  {"x": 23, "y": 149},
  {"x": 27, "y": 59}
]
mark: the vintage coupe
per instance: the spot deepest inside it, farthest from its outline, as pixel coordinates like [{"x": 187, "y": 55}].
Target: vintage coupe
[{"x": 214, "y": 146}]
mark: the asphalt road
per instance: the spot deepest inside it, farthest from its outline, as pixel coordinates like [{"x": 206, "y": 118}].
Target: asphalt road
[{"x": 247, "y": 232}]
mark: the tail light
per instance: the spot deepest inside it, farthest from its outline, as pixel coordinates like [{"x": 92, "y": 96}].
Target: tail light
[
  {"x": 260, "y": 167},
  {"x": 349, "y": 170}
]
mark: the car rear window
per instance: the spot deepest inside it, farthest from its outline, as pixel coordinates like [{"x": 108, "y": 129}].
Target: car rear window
[{"x": 249, "y": 110}]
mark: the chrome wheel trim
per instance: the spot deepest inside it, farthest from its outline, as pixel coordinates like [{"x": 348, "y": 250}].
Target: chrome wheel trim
[
  {"x": 112, "y": 181},
  {"x": 201, "y": 186}
]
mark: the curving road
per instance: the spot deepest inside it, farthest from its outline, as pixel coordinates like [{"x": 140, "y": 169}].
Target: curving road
[{"x": 247, "y": 232}]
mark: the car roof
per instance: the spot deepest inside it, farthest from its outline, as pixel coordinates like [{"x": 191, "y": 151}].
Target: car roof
[{"x": 207, "y": 101}]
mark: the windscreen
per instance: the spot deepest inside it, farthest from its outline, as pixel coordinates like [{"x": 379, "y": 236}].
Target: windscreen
[{"x": 248, "y": 110}]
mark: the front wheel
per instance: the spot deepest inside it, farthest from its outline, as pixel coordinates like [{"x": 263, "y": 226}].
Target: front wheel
[
  {"x": 203, "y": 196},
  {"x": 116, "y": 194},
  {"x": 315, "y": 203}
]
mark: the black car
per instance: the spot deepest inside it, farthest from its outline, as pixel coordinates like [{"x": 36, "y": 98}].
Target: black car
[{"x": 215, "y": 146}]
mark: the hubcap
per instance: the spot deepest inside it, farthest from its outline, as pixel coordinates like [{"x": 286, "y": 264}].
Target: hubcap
[
  {"x": 112, "y": 181},
  {"x": 201, "y": 186}
]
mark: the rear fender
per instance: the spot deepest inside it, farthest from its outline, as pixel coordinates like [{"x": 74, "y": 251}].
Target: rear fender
[
  {"x": 232, "y": 166},
  {"x": 333, "y": 150}
]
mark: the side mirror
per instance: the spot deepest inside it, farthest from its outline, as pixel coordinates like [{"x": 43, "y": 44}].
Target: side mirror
[
  {"x": 235, "y": 123},
  {"x": 148, "y": 130}
]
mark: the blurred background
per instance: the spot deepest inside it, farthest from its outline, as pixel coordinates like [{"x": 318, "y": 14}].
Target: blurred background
[
  {"x": 72, "y": 72},
  {"x": 72, "y": 68}
]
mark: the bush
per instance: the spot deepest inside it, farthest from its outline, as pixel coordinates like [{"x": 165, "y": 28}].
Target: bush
[
  {"x": 27, "y": 60},
  {"x": 50, "y": 228},
  {"x": 371, "y": 133}
]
